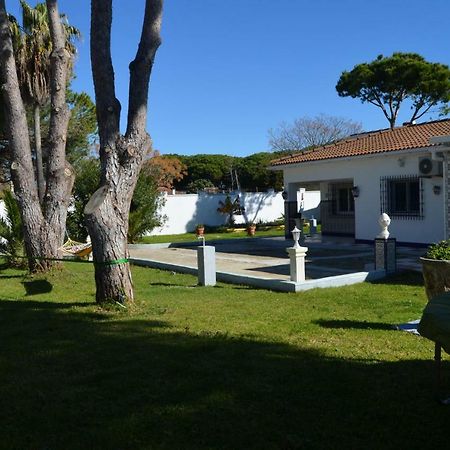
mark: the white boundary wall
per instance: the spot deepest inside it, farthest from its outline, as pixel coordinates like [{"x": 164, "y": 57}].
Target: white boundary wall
[{"x": 185, "y": 211}]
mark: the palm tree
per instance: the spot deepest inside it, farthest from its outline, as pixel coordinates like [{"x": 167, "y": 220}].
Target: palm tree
[
  {"x": 230, "y": 208},
  {"x": 32, "y": 48}
]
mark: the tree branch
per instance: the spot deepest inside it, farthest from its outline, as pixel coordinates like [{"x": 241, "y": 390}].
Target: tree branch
[
  {"x": 380, "y": 105},
  {"x": 141, "y": 67},
  {"x": 60, "y": 176},
  {"x": 416, "y": 116},
  {"x": 108, "y": 107}
]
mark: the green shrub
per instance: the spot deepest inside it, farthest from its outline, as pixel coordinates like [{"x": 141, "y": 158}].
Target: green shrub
[
  {"x": 11, "y": 242},
  {"x": 441, "y": 250}
]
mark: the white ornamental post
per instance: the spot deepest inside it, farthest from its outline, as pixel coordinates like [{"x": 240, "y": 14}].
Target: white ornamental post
[
  {"x": 385, "y": 247},
  {"x": 297, "y": 256},
  {"x": 206, "y": 264}
]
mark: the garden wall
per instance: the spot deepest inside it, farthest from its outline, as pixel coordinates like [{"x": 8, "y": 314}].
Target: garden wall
[{"x": 185, "y": 211}]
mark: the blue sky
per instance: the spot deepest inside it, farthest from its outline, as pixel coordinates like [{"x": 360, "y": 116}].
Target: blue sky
[{"x": 228, "y": 70}]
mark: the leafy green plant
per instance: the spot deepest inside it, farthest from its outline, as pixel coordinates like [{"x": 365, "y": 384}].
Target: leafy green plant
[
  {"x": 230, "y": 208},
  {"x": 11, "y": 231},
  {"x": 144, "y": 208},
  {"x": 440, "y": 250}
]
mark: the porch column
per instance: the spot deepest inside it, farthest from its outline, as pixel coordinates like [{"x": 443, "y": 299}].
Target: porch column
[{"x": 290, "y": 209}]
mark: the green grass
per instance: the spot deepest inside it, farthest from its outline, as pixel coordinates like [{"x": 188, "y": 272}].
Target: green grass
[
  {"x": 228, "y": 367},
  {"x": 262, "y": 231},
  {"x": 209, "y": 236}
]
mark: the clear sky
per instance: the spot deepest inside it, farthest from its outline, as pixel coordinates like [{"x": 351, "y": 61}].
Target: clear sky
[{"x": 228, "y": 70}]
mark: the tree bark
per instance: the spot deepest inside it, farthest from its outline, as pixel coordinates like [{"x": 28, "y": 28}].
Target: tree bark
[
  {"x": 121, "y": 156},
  {"x": 38, "y": 148},
  {"x": 44, "y": 227}
]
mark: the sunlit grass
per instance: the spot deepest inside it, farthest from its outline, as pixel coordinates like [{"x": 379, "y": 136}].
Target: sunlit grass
[
  {"x": 231, "y": 234},
  {"x": 232, "y": 367}
]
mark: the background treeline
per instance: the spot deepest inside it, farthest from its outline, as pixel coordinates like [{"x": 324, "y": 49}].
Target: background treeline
[{"x": 224, "y": 172}]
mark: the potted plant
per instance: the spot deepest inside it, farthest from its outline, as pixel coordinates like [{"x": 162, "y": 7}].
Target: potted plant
[
  {"x": 436, "y": 269},
  {"x": 200, "y": 229},
  {"x": 251, "y": 229}
]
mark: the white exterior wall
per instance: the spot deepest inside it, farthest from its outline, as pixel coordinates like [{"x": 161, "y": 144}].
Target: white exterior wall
[
  {"x": 366, "y": 173},
  {"x": 185, "y": 211}
]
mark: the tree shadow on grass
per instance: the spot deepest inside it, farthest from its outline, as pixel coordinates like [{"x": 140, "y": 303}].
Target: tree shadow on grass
[
  {"x": 162, "y": 284},
  {"x": 71, "y": 382},
  {"x": 9, "y": 277},
  {"x": 36, "y": 287},
  {"x": 354, "y": 324},
  {"x": 408, "y": 278}
]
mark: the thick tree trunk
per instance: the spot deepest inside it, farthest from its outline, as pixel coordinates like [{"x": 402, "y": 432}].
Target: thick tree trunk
[
  {"x": 38, "y": 148},
  {"x": 121, "y": 156},
  {"x": 106, "y": 217},
  {"x": 108, "y": 226},
  {"x": 44, "y": 227}
]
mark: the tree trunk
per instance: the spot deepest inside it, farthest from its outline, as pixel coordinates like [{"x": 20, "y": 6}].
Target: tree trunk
[
  {"x": 121, "y": 156},
  {"x": 108, "y": 227},
  {"x": 44, "y": 227},
  {"x": 106, "y": 217},
  {"x": 38, "y": 148}
]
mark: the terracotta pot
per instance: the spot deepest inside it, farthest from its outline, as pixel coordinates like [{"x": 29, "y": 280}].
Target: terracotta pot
[
  {"x": 436, "y": 275},
  {"x": 200, "y": 231},
  {"x": 251, "y": 230}
]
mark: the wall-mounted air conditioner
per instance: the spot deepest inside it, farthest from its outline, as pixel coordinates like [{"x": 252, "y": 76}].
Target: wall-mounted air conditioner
[{"x": 429, "y": 167}]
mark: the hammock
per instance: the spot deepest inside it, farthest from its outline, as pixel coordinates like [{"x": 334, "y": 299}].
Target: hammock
[{"x": 72, "y": 248}]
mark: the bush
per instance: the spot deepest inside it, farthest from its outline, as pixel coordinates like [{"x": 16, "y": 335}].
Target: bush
[
  {"x": 440, "y": 251},
  {"x": 11, "y": 243},
  {"x": 144, "y": 205},
  {"x": 144, "y": 208}
]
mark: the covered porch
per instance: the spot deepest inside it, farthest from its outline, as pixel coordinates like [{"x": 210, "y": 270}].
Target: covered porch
[{"x": 335, "y": 210}]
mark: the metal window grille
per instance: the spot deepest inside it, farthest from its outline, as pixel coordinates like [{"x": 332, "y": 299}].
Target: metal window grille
[{"x": 387, "y": 184}]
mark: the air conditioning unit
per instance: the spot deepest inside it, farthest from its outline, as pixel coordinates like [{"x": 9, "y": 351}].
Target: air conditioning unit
[{"x": 429, "y": 167}]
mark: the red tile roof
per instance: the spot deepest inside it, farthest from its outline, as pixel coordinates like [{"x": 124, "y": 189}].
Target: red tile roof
[{"x": 379, "y": 141}]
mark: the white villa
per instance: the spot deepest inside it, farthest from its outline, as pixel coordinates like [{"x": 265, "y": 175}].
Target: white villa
[{"x": 403, "y": 172}]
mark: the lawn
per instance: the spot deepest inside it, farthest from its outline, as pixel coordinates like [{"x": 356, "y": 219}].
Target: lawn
[
  {"x": 228, "y": 367},
  {"x": 212, "y": 235}
]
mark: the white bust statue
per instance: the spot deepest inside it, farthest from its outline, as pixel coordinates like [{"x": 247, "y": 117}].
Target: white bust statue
[{"x": 384, "y": 221}]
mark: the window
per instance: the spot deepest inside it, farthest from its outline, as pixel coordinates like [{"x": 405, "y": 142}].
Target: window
[
  {"x": 401, "y": 197},
  {"x": 343, "y": 202}
]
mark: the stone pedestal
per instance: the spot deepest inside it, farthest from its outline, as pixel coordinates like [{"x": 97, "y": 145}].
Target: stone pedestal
[
  {"x": 206, "y": 263},
  {"x": 297, "y": 264},
  {"x": 386, "y": 254}
]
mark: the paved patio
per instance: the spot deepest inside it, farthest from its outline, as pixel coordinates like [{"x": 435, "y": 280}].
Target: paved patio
[{"x": 267, "y": 259}]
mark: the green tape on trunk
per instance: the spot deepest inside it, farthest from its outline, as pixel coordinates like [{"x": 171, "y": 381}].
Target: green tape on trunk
[{"x": 111, "y": 263}]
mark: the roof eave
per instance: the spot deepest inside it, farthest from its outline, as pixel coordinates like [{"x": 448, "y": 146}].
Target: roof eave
[{"x": 347, "y": 158}]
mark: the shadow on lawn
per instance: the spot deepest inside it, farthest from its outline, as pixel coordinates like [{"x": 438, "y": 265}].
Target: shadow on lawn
[
  {"x": 354, "y": 324},
  {"x": 71, "y": 382},
  {"x": 408, "y": 278},
  {"x": 36, "y": 287}
]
